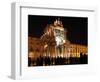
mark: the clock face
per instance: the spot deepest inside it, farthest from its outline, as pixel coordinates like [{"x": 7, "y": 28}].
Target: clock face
[
  {"x": 59, "y": 36},
  {"x": 59, "y": 40}
]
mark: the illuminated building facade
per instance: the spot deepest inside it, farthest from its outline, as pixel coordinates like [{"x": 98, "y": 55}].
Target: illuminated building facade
[{"x": 54, "y": 43}]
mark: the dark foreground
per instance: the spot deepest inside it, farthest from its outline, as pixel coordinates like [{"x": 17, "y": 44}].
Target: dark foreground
[{"x": 49, "y": 61}]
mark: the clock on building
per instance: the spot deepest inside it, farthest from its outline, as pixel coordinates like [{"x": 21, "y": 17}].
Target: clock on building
[{"x": 59, "y": 37}]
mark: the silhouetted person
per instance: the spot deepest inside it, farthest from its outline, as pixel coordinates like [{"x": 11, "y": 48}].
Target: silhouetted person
[
  {"x": 55, "y": 61},
  {"x": 37, "y": 62},
  {"x": 29, "y": 61},
  {"x": 41, "y": 61},
  {"x": 46, "y": 60},
  {"x": 51, "y": 61}
]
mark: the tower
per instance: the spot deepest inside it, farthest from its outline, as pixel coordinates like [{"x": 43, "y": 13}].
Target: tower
[{"x": 55, "y": 37}]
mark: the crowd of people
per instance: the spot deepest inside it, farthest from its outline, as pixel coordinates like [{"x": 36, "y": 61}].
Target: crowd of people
[{"x": 47, "y": 61}]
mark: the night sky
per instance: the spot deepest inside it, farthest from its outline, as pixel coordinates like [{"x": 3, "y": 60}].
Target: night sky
[{"x": 77, "y": 27}]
